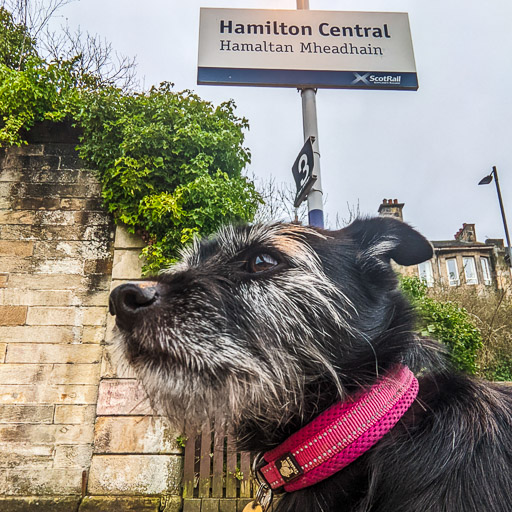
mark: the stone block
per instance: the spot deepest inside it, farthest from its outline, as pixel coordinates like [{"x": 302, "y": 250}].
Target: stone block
[
  {"x": 135, "y": 474},
  {"x": 134, "y": 434},
  {"x": 28, "y": 149},
  {"x": 13, "y": 264},
  {"x": 36, "y": 334},
  {"x": 36, "y": 162},
  {"x": 21, "y": 394},
  {"x": 126, "y": 240},
  {"x": 23, "y": 217},
  {"x": 39, "y": 504},
  {"x": 94, "y": 316},
  {"x": 93, "y": 298},
  {"x": 26, "y": 450},
  {"x": 193, "y": 505},
  {"x": 75, "y": 374},
  {"x": 47, "y": 434},
  {"x": 24, "y": 373},
  {"x": 48, "y": 176},
  {"x": 49, "y": 190},
  {"x": 13, "y": 315},
  {"x": 92, "y": 334},
  {"x": 18, "y": 249},
  {"x": 35, "y": 203},
  {"x": 84, "y": 250},
  {"x": 60, "y": 266},
  {"x": 122, "y": 397},
  {"x": 24, "y": 297},
  {"x": 41, "y": 482},
  {"x": 3, "y": 351},
  {"x": 127, "y": 264},
  {"x": 55, "y": 218},
  {"x": 50, "y": 353},
  {"x": 75, "y": 414},
  {"x": 4, "y": 279},
  {"x": 73, "y": 456},
  {"x": 210, "y": 505},
  {"x": 39, "y": 315},
  {"x": 26, "y": 413},
  {"x": 60, "y": 149},
  {"x": 45, "y": 282},
  {"x": 119, "y": 504},
  {"x": 78, "y": 203},
  {"x": 15, "y": 461}
]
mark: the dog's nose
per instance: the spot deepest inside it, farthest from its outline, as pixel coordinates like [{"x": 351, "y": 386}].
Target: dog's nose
[{"x": 130, "y": 300}]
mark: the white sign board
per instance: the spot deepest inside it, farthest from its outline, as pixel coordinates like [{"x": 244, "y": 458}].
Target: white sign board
[{"x": 304, "y": 48}]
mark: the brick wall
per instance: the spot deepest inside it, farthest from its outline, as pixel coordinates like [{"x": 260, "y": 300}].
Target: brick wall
[{"x": 59, "y": 447}]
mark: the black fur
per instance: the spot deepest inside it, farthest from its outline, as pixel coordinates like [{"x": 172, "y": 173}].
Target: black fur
[{"x": 451, "y": 452}]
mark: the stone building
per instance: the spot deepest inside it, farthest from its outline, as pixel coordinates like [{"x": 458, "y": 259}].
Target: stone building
[{"x": 462, "y": 261}]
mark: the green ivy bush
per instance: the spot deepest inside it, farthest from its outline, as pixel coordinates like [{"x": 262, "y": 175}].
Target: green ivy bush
[
  {"x": 445, "y": 321},
  {"x": 170, "y": 163}
]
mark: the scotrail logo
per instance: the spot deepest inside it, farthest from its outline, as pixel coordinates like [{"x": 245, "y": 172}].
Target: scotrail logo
[{"x": 370, "y": 79}]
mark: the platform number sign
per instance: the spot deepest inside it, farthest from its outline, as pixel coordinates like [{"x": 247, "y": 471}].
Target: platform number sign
[{"x": 303, "y": 172}]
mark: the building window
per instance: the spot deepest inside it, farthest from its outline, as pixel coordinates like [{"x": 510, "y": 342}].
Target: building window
[
  {"x": 453, "y": 272},
  {"x": 470, "y": 270},
  {"x": 486, "y": 271},
  {"x": 426, "y": 274}
]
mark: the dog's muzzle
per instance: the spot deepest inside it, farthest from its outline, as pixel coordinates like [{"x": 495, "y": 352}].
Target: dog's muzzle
[{"x": 130, "y": 301}]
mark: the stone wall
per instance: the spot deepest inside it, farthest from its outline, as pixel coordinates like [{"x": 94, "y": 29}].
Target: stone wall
[{"x": 74, "y": 433}]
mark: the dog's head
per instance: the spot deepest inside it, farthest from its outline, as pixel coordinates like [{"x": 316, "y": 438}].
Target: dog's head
[{"x": 266, "y": 324}]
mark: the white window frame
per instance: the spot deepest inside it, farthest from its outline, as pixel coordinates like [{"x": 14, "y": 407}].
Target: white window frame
[
  {"x": 452, "y": 281},
  {"x": 470, "y": 270},
  {"x": 486, "y": 270},
  {"x": 426, "y": 273}
]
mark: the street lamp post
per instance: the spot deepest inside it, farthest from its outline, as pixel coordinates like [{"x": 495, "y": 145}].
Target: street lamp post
[
  {"x": 315, "y": 195},
  {"x": 485, "y": 181}
]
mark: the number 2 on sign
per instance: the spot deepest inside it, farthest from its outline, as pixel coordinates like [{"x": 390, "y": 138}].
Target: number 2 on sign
[{"x": 303, "y": 168}]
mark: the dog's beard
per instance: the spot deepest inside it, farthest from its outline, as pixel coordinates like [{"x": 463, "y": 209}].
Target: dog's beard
[{"x": 193, "y": 384}]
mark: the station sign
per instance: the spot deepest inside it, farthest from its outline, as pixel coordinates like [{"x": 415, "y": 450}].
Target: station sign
[{"x": 306, "y": 49}]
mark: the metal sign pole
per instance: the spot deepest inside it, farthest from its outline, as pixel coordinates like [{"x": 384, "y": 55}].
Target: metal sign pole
[{"x": 315, "y": 196}]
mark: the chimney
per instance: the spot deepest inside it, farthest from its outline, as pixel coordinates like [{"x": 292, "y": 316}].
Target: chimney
[
  {"x": 466, "y": 234},
  {"x": 391, "y": 208}
]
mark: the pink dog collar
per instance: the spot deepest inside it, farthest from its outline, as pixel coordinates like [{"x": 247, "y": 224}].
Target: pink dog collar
[{"x": 340, "y": 434}]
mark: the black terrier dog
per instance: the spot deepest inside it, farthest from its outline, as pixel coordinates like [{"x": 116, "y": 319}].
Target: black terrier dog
[{"x": 297, "y": 335}]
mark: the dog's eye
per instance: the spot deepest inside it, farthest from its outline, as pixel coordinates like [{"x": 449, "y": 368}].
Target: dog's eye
[{"x": 261, "y": 263}]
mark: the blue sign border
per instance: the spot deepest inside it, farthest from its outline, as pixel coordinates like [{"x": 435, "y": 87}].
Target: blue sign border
[{"x": 308, "y": 79}]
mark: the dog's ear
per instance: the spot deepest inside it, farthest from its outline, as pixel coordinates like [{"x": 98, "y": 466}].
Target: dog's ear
[{"x": 388, "y": 238}]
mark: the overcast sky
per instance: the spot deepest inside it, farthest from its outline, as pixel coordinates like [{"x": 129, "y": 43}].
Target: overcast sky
[{"x": 427, "y": 148}]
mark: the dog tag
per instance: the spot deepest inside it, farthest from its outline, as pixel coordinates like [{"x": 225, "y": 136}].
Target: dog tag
[{"x": 252, "y": 507}]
